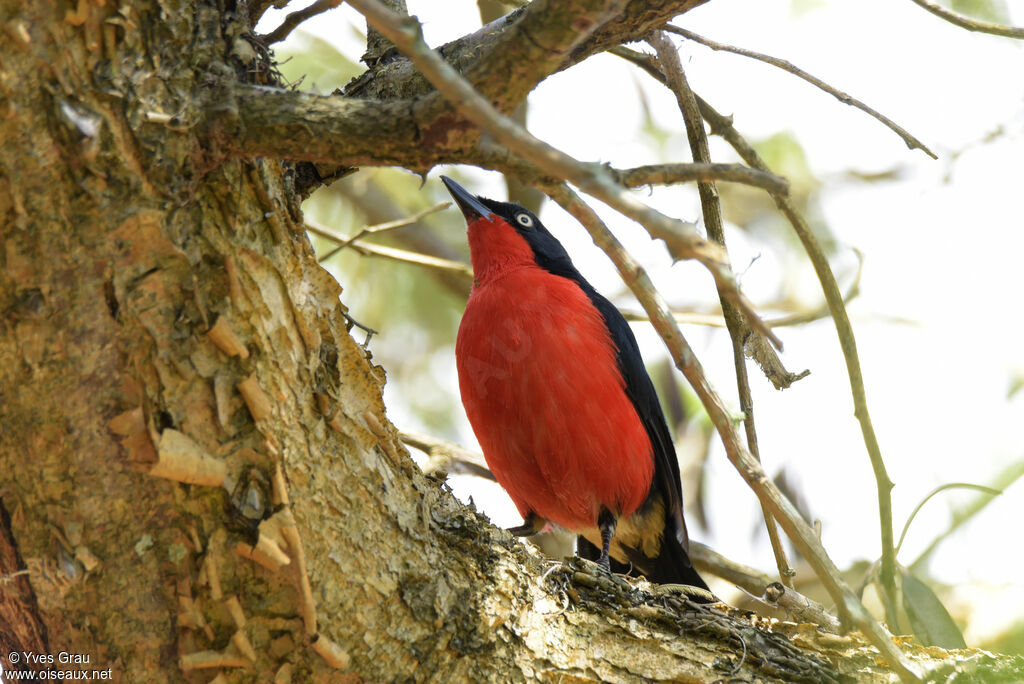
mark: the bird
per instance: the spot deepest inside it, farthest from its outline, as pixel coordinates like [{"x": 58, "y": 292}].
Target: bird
[{"x": 556, "y": 391}]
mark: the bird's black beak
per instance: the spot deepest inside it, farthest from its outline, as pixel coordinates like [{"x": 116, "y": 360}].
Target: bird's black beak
[{"x": 471, "y": 207}]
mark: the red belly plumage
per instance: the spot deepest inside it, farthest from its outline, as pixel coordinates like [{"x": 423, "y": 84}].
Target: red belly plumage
[{"x": 542, "y": 389}]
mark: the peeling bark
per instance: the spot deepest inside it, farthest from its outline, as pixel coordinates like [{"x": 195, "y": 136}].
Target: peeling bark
[{"x": 198, "y": 466}]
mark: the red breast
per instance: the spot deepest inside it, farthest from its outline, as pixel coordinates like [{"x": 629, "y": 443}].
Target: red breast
[{"x": 542, "y": 388}]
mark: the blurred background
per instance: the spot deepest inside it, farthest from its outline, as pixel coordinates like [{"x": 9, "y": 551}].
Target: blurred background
[{"x": 929, "y": 250}]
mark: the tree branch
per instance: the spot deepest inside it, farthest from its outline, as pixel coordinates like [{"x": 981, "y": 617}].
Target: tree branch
[
  {"x": 739, "y": 331},
  {"x": 462, "y": 271},
  {"x": 968, "y": 23},
  {"x": 911, "y": 142},
  {"x": 508, "y": 57},
  {"x": 722, "y": 125},
  {"x": 446, "y": 457},
  {"x": 295, "y": 18},
  {"x": 258, "y": 121},
  {"x": 763, "y": 587},
  {"x": 683, "y": 242},
  {"x": 669, "y": 174},
  {"x": 383, "y": 228}
]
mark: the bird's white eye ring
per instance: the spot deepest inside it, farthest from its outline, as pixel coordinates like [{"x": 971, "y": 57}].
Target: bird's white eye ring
[{"x": 524, "y": 220}]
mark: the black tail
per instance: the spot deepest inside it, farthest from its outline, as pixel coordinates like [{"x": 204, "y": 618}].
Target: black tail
[{"x": 671, "y": 566}]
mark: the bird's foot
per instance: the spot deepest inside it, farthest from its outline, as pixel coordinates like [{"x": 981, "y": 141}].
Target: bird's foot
[{"x": 606, "y": 522}]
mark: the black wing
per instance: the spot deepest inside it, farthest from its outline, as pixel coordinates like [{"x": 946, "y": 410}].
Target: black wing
[{"x": 640, "y": 390}]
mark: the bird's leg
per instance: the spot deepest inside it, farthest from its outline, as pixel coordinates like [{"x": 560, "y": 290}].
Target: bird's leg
[
  {"x": 606, "y": 522},
  {"x": 532, "y": 524}
]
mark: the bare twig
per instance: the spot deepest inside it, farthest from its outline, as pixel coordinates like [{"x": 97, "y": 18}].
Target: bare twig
[
  {"x": 667, "y": 174},
  {"x": 297, "y": 17},
  {"x": 445, "y": 457},
  {"x": 722, "y": 125},
  {"x": 796, "y": 528},
  {"x": 682, "y": 240},
  {"x": 712, "y": 210},
  {"x": 971, "y": 24},
  {"x": 716, "y": 321},
  {"x": 405, "y": 256},
  {"x": 498, "y": 157},
  {"x": 464, "y": 271},
  {"x": 378, "y": 204},
  {"x": 648, "y": 63},
  {"x": 763, "y": 587},
  {"x": 911, "y": 142},
  {"x": 370, "y": 332},
  {"x": 383, "y": 227}
]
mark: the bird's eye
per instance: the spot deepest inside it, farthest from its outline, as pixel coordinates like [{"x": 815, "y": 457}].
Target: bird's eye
[{"x": 524, "y": 220}]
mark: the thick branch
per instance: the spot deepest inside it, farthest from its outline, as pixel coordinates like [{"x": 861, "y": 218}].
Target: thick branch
[
  {"x": 508, "y": 57},
  {"x": 284, "y": 124}
]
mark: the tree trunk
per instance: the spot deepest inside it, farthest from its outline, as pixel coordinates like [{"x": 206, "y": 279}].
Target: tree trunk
[{"x": 199, "y": 477}]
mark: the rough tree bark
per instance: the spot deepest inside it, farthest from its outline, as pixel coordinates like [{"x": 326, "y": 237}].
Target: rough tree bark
[{"x": 199, "y": 479}]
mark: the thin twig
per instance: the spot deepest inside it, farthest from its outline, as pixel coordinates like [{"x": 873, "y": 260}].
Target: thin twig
[
  {"x": 378, "y": 204},
  {"x": 297, "y": 17},
  {"x": 399, "y": 223},
  {"x": 713, "y": 222},
  {"x": 648, "y": 63},
  {"x": 682, "y": 240},
  {"x": 383, "y": 227},
  {"x": 458, "y": 268},
  {"x": 796, "y": 528},
  {"x": 761, "y": 586},
  {"x": 722, "y": 125},
  {"x": 971, "y": 24},
  {"x": 799, "y": 318},
  {"x": 464, "y": 271},
  {"x": 497, "y": 157},
  {"x": 668, "y": 174},
  {"x": 911, "y": 142},
  {"x": 446, "y": 457}
]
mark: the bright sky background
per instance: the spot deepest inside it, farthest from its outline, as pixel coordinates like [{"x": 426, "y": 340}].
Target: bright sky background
[{"x": 939, "y": 320}]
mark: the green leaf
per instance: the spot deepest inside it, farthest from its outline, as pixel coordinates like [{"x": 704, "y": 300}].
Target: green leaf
[{"x": 929, "y": 619}]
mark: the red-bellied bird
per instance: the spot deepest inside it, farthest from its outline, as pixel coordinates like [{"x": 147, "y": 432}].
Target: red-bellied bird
[{"x": 556, "y": 391}]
